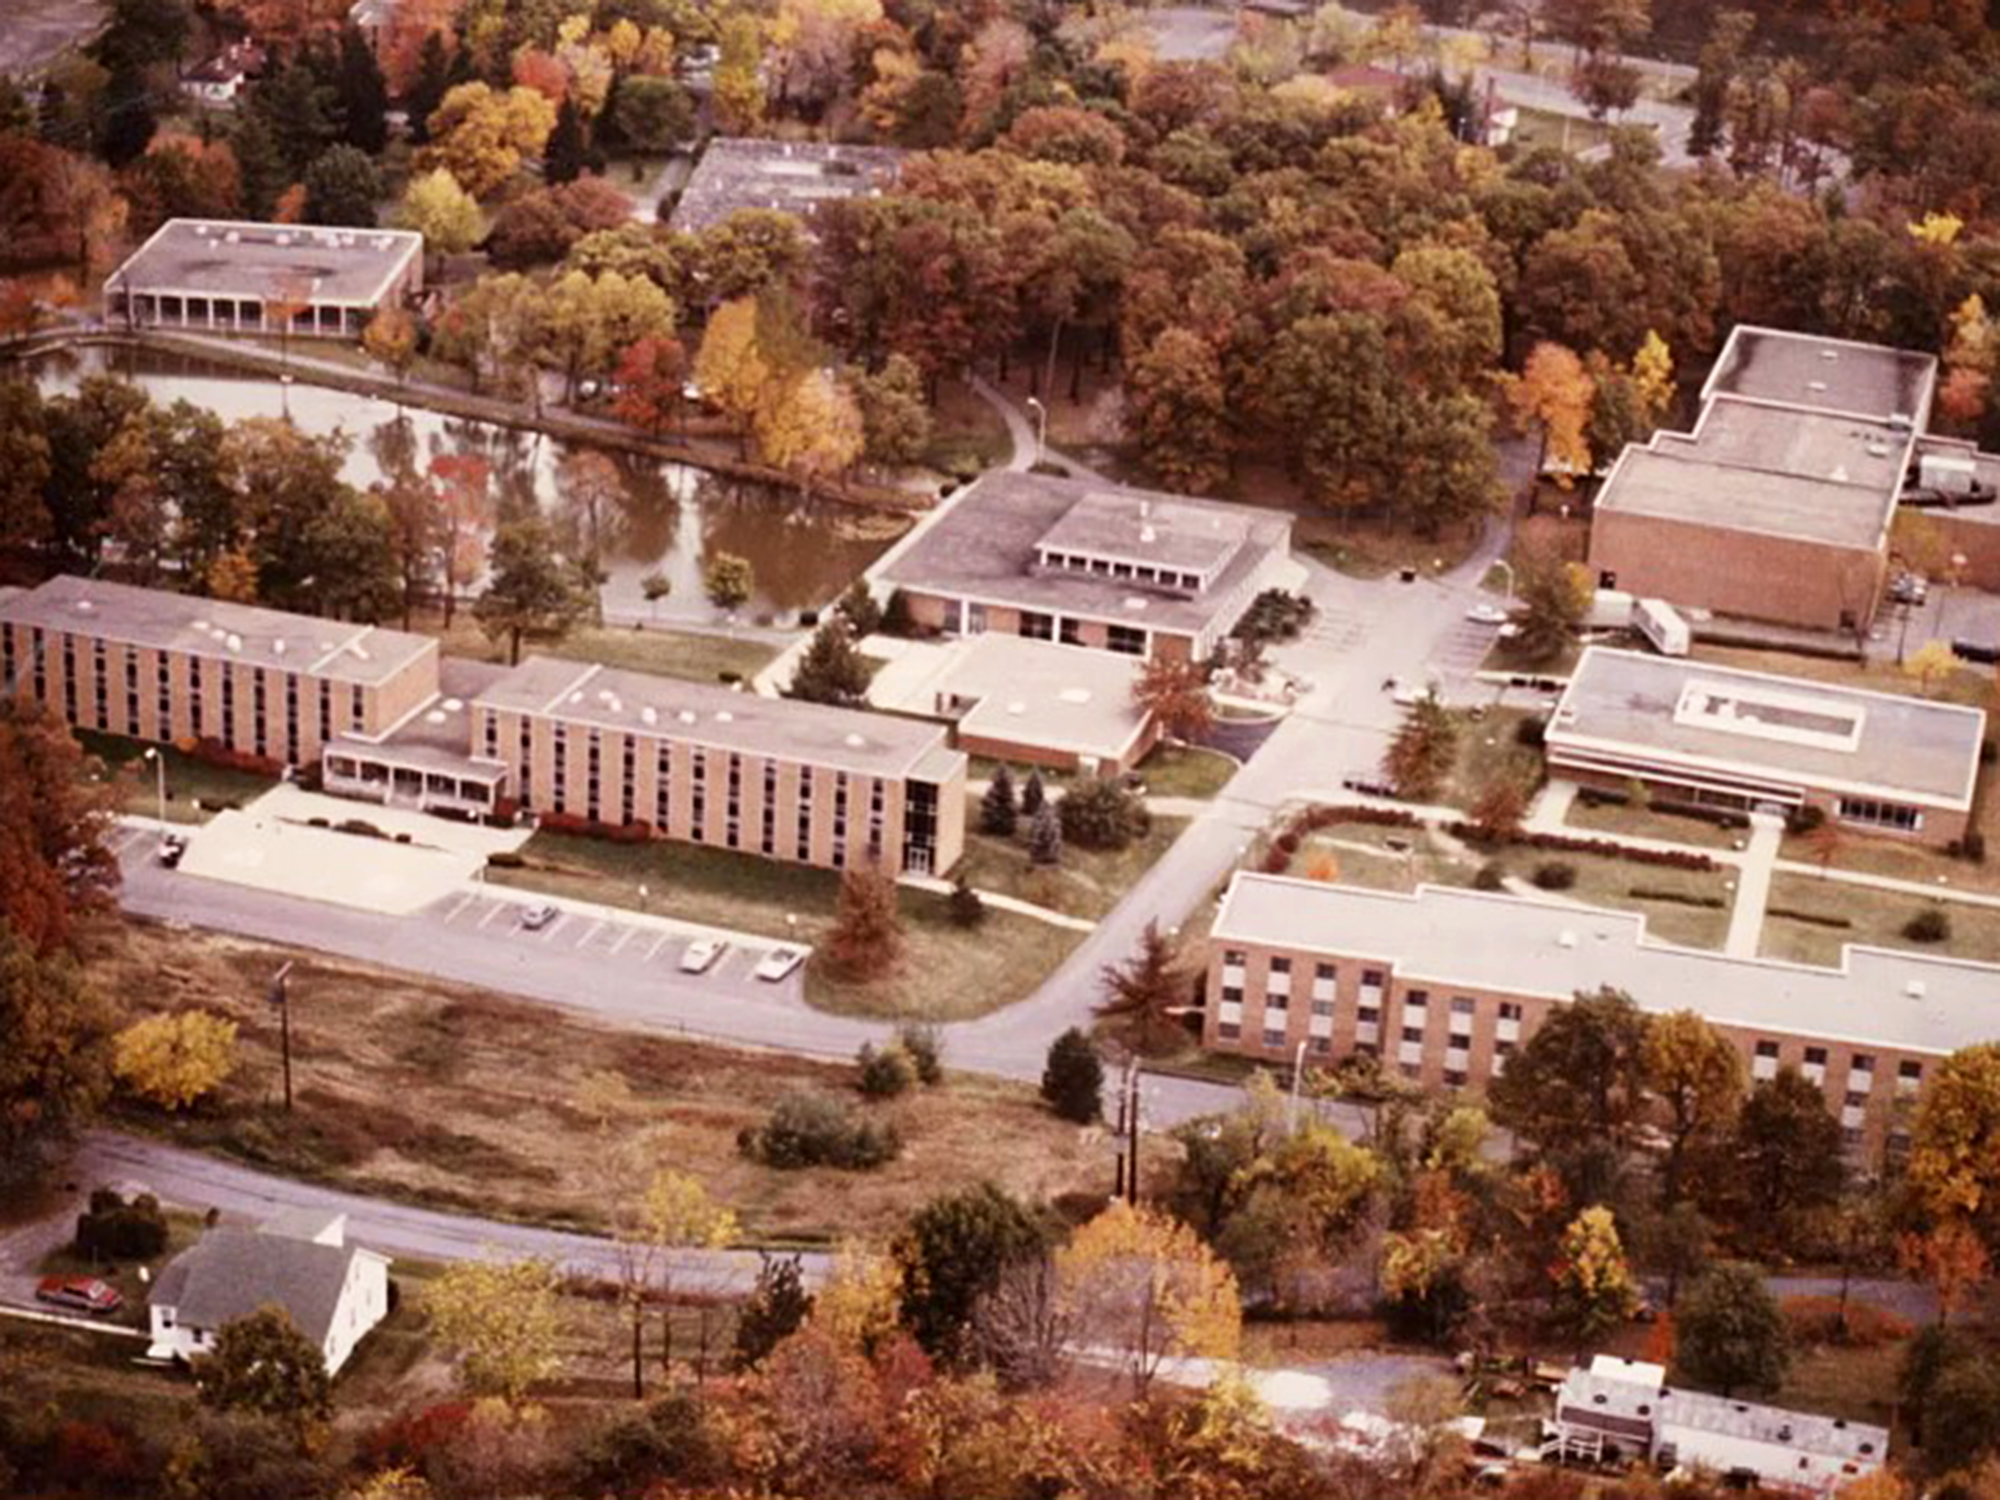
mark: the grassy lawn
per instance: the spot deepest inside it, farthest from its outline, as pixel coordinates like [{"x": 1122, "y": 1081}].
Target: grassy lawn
[
  {"x": 1185, "y": 771},
  {"x": 1088, "y": 882},
  {"x": 1363, "y": 548},
  {"x": 443, "y": 1095},
  {"x": 1506, "y": 656},
  {"x": 967, "y": 434},
  {"x": 695, "y": 655},
  {"x": 1489, "y": 752},
  {"x": 1363, "y": 854},
  {"x": 90, "y": 1377},
  {"x": 1876, "y": 918},
  {"x": 1858, "y": 1384},
  {"x": 1616, "y": 819},
  {"x": 189, "y": 781},
  {"x": 950, "y": 974}
]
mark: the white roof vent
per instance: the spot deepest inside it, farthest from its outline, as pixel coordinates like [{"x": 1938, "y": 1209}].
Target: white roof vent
[
  {"x": 359, "y": 651},
  {"x": 1878, "y": 449},
  {"x": 1839, "y": 474},
  {"x": 1133, "y": 601},
  {"x": 617, "y": 705},
  {"x": 856, "y": 742},
  {"x": 686, "y": 716},
  {"x": 1816, "y": 386},
  {"x": 724, "y": 716},
  {"x": 453, "y": 705},
  {"x": 203, "y": 626},
  {"x": 233, "y": 237},
  {"x": 1078, "y": 696},
  {"x": 284, "y": 238},
  {"x": 85, "y": 605},
  {"x": 235, "y": 641},
  {"x": 605, "y": 695},
  {"x": 1148, "y": 534},
  {"x": 1829, "y": 354},
  {"x": 576, "y": 697},
  {"x": 1017, "y": 707},
  {"x": 323, "y": 645},
  {"x": 649, "y": 715},
  {"x": 1914, "y": 989},
  {"x": 278, "y": 647},
  {"x": 435, "y": 716},
  {"x": 1566, "y": 939}
]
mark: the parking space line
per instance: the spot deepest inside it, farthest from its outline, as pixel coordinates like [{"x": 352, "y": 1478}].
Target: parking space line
[
  {"x": 494, "y": 911},
  {"x": 595, "y": 928},
  {"x": 624, "y": 937},
  {"x": 555, "y": 927},
  {"x": 458, "y": 910},
  {"x": 658, "y": 943}
]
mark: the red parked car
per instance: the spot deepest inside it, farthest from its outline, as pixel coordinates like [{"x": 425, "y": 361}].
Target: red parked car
[{"x": 84, "y": 1293}]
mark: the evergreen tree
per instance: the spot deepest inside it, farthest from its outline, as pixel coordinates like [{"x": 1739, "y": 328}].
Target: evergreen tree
[
  {"x": 534, "y": 593},
  {"x": 964, "y": 906},
  {"x": 1045, "y": 835},
  {"x": 259, "y": 167},
  {"x": 427, "y": 90},
  {"x": 364, "y": 94},
  {"x": 568, "y": 150},
  {"x": 1073, "y": 1078},
  {"x": 129, "y": 121},
  {"x": 295, "y": 111},
  {"x": 342, "y": 186},
  {"x": 858, "y": 607},
  {"x": 830, "y": 670},
  {"x": 952, "y": 1253},
  {"x": 1729, "y": 1333},
  {"x": 772, "y": 1313},
  {"x": 1033, "y": 795},
  {"x": 867, "y": 937},
  {"x": 998, "y": 814}
]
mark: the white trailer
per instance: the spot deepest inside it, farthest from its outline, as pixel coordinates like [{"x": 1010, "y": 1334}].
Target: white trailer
[{"x": 1663, "y": 627}]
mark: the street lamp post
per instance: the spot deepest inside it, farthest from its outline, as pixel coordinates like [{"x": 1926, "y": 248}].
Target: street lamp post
[
  {"x": 281, "y": 996},
  {"x": 159, "y": 780},
  {"x": 1041, "y": 429},
  {"x": 1501, "y": 562}
]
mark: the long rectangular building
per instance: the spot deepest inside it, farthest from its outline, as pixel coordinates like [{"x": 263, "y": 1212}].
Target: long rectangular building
[
  {"x": 787, "y": 780},
  {"x": 1691, "y": 731},
  {"x": 169, "y": 667},
  {"x": 1443, "y": 985},
  {"x": 223, "y": 276}
]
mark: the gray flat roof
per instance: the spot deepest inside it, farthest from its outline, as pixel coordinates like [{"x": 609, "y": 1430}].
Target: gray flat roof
[
  {"x": 1674, "y": 480},
  {"x": 1040, "y": 693},
  {"x": 982, "y": 545},
  {"x": 789, "y": 176},
  {"x": 163, "y": 621},
  {"x": 1140, "y": 528},
  {"x": 229, "y": 258},
  {"x": 716, "y": 717},
  {"x": 1702, "y": 716},
  {"x": 1800, "y": 1431},
  {"x": 1809, "y": 372},
  {"x": 1521, "y": 946}
]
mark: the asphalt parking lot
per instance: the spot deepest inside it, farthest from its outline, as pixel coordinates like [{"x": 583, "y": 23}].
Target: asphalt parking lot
[{"x": 639, "y": 943}]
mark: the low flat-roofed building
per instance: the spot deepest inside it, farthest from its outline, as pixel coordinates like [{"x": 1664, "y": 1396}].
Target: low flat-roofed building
[
  {"x": 221, "y": 276},
  {"x": 1694, "y": 732},
  {"x": 156, "y": 665},
  {"x": 694, "y": 761},
  {"x": 1620, "y": 1409},
  {"x": 1442, "y": 985},
  {"x": 1025, "y": 701},
  {"x": 424, "y": 761},
  {"x": 1089, "y": 564},
  {"x": 793, "y": 177},
  {"x": 1777, "y": 506}
]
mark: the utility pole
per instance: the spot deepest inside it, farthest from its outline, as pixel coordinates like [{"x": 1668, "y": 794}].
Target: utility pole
[
  {"x": 1124, "y": 1099},
  {"x": 1130, "y": 1113},
  {"x": 282, "y": 998}
]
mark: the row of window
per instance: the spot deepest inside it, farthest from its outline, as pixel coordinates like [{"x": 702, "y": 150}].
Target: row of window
[
  {"x": 1106, "y": 567},
  {"x": 1879, "y": 814}
]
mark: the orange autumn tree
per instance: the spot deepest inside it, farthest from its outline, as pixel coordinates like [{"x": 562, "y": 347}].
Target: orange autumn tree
[
  {"x": 1138, "y": 1288},
  {"x": 1553, "y": 392}
]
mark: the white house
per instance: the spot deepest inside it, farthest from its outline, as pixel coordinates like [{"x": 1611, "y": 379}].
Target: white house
[
  {"x": 1621, "y": 1409},
  {"x": 334, "y": 1292}
]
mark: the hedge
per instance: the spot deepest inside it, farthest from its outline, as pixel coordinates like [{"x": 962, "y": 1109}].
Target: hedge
[{"x": 1325, "y": 815}]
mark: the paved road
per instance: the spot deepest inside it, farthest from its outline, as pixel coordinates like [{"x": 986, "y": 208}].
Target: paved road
[
  {"x": 187, "y": 1179},
  {"x": 37, "y": 32}
]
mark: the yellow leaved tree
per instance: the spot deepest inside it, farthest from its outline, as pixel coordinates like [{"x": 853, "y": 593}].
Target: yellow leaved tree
[
  {"x": 1553, "y": 392},
  {"x": 500, "y": 1318},
  {"x": 1138, "y": 1288},
  {"x": 812, "y": 426},
  {"x": 175, "y": 1060}
]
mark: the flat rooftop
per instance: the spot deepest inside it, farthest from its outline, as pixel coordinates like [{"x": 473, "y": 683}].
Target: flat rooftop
[
  {"x": 228, "y": 258},
  {"x": 1811, "y": 373},
  {"x": 1677, "y": 483},
  {"x": 715, "y": 717},
  {"x": 1695, "y": 714},
  {"x": 1041, "y": 693},
  {"x": 984, "y": 542},
  {"x": 792, "y": 177},
  {"x": 158, "y": 620},
  {"x": 1146, "y": 529},
  {"x": 1516, "y": 945}
]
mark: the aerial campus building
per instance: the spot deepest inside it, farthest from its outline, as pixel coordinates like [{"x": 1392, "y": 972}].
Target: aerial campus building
[
  {"x": 385, "y": 718},
  {"x": 1443, "y": 985},
  {"x": 1777, "y": 506},
  {"x": 219, "y": 276},
  {"x": 1087, "y": 564},
  {"x": 1692, "y": 732},
  {"x": 793, "y": 177}
]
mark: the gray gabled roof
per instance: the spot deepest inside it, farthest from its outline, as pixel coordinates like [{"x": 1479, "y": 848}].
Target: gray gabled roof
[{"x": 231, "y": 1273}]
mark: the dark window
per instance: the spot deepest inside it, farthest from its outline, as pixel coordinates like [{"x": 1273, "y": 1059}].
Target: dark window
[
  {"x": 1767, "y": 1049},
  {"x": 1281, "y": 966},
  {"x": 1126, "y": 640},
  {"x": 1816, "y": 1057}
]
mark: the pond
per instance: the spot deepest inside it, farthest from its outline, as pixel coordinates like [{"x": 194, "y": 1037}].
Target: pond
[{"x": 675, "y": 517}]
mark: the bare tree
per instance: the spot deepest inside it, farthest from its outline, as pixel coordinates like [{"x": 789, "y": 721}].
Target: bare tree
[{"x": 1021, "y": 1329}]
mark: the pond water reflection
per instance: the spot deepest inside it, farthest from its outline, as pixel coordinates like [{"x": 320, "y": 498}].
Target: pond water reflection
[{"x": 674, "y": 517}]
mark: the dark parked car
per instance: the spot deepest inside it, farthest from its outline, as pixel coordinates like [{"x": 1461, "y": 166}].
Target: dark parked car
[{"x": 172, "y": 847}]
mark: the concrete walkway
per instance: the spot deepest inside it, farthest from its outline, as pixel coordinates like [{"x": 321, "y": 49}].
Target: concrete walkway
[
  {"x": 1021, "y": 431},
  {"x": 1004, "y": 903},
  {"x": 1753, "y": 886}
]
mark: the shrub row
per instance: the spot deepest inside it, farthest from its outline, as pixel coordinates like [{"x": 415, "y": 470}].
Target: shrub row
[
  {"x": 1679, "y": 898},
  {"x": 215, "y": 753},
  {"x": 635, "y": 832},
  {"x": 1325, "y": 815},
  {"x": 1813, "y": 918}
]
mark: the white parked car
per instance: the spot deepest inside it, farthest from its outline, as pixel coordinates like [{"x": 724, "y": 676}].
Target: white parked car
[
  {"x": 1487, "y": 613},
  {"x": 1409, "y": 694},
  {"x": 779, "y": 963},
  {"x": 701, "y": 955},
  {"x": 538, "y": 916}
]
